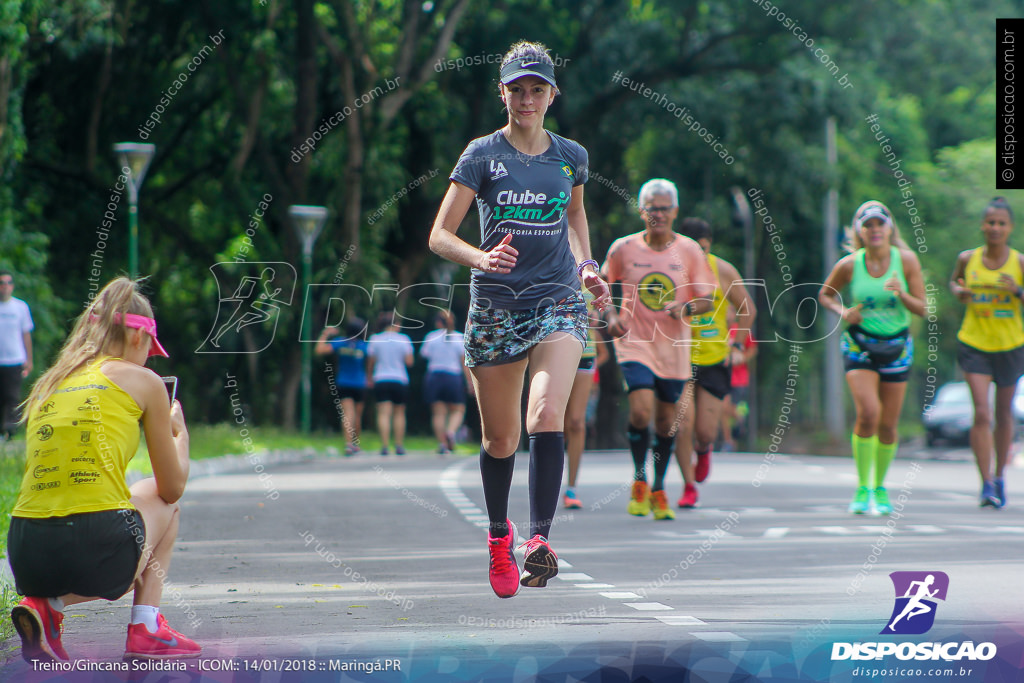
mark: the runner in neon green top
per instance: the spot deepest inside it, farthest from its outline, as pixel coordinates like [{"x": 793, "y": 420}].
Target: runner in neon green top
[{"x": 886, "y": 286}]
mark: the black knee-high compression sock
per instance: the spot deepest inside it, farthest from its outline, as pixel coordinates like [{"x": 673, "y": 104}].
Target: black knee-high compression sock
[
  {"x": 662, "y": 457},
  {"x": 547, "y": 458},
  {"x": 639, "y": 440},
  {"x": 496, "y": 474}
]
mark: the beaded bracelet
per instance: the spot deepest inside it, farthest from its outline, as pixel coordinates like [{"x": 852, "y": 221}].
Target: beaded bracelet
[{"x": 588, "y": 262}]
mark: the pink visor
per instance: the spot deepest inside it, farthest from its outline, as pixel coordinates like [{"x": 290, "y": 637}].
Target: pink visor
[{"x": 141, "y": 322}]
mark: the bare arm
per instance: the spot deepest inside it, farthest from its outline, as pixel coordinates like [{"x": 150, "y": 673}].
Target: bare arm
[
  {"x": 913, "y": 298},
  {"x": 956, "y": 281},
  {"x": 27, "y": 367},
  {"x": 166, "y": 438},
  {"x": 737, "y": 295},
  {"x": 445, "y": 243},
  {"x": 579, "y": 243},
  {"x": 322, "y": 346},
  {"x": 837, "y": 280}
]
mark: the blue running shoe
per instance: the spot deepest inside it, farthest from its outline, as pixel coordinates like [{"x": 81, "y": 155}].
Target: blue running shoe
[
  {"x": 988, "y": 496},
  {"x": 1000, "y": 491}
]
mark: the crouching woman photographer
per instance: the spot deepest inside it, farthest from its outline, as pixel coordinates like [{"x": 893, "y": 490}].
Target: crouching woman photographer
[{"x": 78, "y": 533}]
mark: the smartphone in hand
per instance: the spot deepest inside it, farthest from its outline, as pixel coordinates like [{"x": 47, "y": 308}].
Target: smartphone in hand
[{"x": 171, "y": 384}]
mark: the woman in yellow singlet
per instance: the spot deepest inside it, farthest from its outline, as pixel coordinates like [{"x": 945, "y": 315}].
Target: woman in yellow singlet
[
  {"x": 885, "y": 288},
  {"x": 78, "y": 533},
  {"x": 989, "y": 280}
]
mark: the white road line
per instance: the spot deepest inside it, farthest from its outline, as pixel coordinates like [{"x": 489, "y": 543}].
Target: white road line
[
  {"x": 647, "y": 606},
  {"x": 776, "y": 531},
  {"x": 679, "y": 620},
  {"x": 926, "y": 528},
  {"x": 601, "y": 586},
  {"x": 718, "y": 636},
  {"x": 620, "y": 595},
  {"x": 574, "y": 576}
]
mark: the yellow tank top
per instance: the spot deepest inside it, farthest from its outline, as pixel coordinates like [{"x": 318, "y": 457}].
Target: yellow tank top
[
  {"x": 992, "y": 321},
  {"x": 78, "y": 443},
  {"x": 710, "y": 330}
]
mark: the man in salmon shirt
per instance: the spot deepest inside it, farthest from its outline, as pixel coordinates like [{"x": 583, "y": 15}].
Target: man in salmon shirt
[{"x": 665, "y": 279}]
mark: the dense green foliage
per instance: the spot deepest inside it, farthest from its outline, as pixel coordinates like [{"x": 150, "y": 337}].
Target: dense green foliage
[{"x": 77, "y": 77}]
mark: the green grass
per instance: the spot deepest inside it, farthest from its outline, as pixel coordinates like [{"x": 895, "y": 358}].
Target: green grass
[{"x": 12, "y": 466}]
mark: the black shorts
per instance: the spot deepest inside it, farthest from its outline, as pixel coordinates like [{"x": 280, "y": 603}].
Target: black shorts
[
  {"x": 357, "y": 394},
  {"x": 715, "y": 379},
  {"x": 587, "y": 364},
  {"x": 1004, "y": 367},
  {"x": 444, "y": 387},
  {"x": 395, "y": 392},
  {"x": 639, "y": 376},
  {"x": 93, "y": 554}
]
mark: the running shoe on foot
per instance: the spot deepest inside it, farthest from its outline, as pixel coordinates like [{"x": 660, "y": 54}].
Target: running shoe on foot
[
  {"x": 1000, "y": 491},
  {"x": 861, "y": 501},
  {"x": 384, "y": 450},
  {"x": 399, "y": 450},
  {"x": 988, "y": 496},
  {"x": 640, "y": 503},
  {"x": 40, "y": 627},
  {"x": 166, "y": 643},
  {"x": 703, "y": 466},
  {"x": 659, "y": 503},
  {"x": 882, "y": 504},
  {"x": 450, "y": 442},
  {"x": 540, "y": 564},
  {"x": 503, "y": 572},
  {"x": 351, "y": 449},
  {"x": 689, "y": 497},
  {"x": 571, "y": 501}
]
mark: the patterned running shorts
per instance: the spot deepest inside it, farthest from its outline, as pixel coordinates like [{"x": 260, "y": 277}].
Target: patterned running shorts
[{"x": 496, "y": 336}]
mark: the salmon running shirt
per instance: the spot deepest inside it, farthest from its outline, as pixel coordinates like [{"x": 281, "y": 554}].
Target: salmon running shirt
[{"x": 650, "y": 280}]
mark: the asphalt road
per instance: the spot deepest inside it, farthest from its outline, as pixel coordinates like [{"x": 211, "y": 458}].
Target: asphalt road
[{"x": 342, "y": 564}]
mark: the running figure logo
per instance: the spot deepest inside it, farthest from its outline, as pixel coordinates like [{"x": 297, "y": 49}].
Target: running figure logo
[
  {"x": 247, "y": 315},
  {"x": 916, "y": 592}
]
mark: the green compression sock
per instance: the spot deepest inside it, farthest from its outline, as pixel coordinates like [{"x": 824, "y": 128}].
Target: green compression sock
[
  {"x": 864, "y": 457},
  {"x": 883, "y": 457}
]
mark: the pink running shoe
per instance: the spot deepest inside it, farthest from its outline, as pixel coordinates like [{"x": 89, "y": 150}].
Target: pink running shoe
[
  {"x": 540, "y": 564},
  {"x": 166, "y": 643},
  {"x": 503, "y": 572},
  {"x": 40, "y": 627}
]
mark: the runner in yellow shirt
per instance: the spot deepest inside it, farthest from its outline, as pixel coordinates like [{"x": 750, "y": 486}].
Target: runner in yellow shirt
[{"x": 989, "y": 280}]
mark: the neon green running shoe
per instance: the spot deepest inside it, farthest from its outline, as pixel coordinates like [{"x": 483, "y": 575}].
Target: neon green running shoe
[
  {"x": 861, "y": 501},
  {"x": 640, "y": 500},
  {"x": 882, "y": 504}
]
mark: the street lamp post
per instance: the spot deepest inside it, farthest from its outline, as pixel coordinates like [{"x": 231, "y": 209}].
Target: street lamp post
[
  {"x": 135, "y": 156},
  {"x": 308, "y": 221}
]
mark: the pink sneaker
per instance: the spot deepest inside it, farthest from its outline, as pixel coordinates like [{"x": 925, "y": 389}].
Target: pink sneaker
[
  {"x": 689, "y": 497},
  {"x": 166, "y": 643},
  {"x": 540, "y": 563},
  {"x": 40, "y": 627},
  {"x": 503, "y": 572},
  {"x": 703, "y": 468}
]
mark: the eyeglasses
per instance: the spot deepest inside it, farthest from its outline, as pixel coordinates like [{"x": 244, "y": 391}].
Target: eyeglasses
[{"x": 658, "y": 209}]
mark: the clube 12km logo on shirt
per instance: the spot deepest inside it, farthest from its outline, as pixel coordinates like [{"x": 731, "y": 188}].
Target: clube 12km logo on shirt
[{"x": 913, "y": 613}]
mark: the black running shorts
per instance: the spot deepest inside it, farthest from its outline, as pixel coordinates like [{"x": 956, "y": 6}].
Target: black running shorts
[{"x": 93, "y": 554}]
